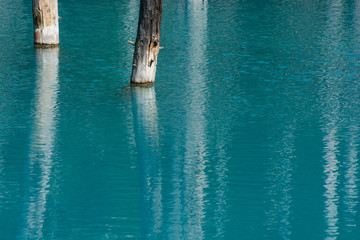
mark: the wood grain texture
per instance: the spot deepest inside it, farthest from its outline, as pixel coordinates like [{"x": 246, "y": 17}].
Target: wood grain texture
[
  {"x": 147, "y": 42},
  {"x": 46, "y": 22}
]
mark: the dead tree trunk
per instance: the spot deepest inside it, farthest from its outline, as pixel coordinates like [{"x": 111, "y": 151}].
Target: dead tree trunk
[
  {"x": 147, "y": 43},
  {"x": 46, "y": 23}
]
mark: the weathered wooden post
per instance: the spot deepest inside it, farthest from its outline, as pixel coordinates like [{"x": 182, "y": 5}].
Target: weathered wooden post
[
  {"x": 147, "y": 43},
  {"x": 46, "y": 23}
]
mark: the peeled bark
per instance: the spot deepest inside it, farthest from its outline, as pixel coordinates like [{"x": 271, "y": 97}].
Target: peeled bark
[
  {"x": 46, "y": 23},
  {"x": 147, "y": 43}
]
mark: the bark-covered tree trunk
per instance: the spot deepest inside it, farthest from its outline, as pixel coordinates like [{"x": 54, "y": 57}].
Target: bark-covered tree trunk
[
  {"x": 147, "y": 42},
  {"x": 46, "y": 22}
]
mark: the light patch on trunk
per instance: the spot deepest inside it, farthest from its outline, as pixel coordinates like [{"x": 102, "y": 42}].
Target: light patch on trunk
[{"x": 47, "y": 35}]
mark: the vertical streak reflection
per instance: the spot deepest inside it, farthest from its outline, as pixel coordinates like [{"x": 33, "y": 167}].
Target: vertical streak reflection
[
  {"x": 195, "y": 178},
  {"x": 189, "y": 179},
  {"x": 331, "y": 105},
  {"x": 42, "y": 141},
  {"x": 2, "y": 166},
  {"x": 351, "y": 189},
  {"x": 147, "y": 142},
  {"x": 286, "y": 198},
  {"x": 130, "y": 21},
  {"x": 331, "y": 171},
  {"x": 357, "y": 21},
  {"x": 280, "y": 212},
  {"x": 351, "y": 197},
  {"x": 221, "y": 174},
  {"x": 3, "y": 138}
]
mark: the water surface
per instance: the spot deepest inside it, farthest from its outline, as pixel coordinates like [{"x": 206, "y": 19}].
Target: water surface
[{"x": 251, "y": 130}]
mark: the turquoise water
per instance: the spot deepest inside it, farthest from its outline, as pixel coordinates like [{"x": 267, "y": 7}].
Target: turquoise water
[{"x": 251, "y": 130}]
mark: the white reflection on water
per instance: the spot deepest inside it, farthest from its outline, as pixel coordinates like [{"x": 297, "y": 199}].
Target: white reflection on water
[
  {"x": 351, "y": 179},
  {"x": 189, "y": 180},
  {"x": 147, "y": 143},
  {"x": 2, "y": 166},
  {"x": 3, "y": 137},
  {"x": 352, "y": 163},
  {"x": 130, "y": 23},
  {"x": 357, "y": 20},
  {"x": 220, "y": 213},
  {"x": 42, "y": 141},
  {"x": 331, "y": 171},
  {"x": 195, "y": 178},
  {"x": 330, "y": 99},
  {"x": 278, "y": 217}
]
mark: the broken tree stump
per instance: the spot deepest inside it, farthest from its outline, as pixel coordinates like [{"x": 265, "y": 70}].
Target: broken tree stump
[
  {"x": 147, "y": 43},
  {"x": 46, "y": 23}
]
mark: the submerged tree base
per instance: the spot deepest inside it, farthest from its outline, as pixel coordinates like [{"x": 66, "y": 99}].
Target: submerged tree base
[
  {"x": 144, "y": 85},
  {"x": 42, "y": 45}
]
